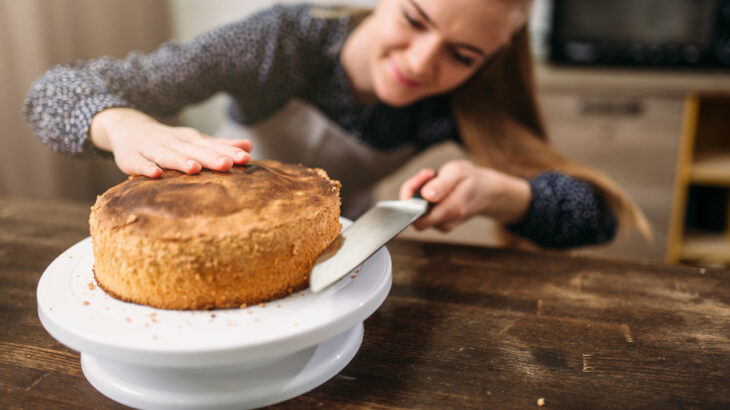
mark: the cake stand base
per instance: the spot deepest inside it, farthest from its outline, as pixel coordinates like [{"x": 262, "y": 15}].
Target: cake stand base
[{"x": 231, "y": 387}]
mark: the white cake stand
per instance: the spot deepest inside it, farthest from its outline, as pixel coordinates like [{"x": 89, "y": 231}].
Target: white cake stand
[{"x": 219, "y": 359}]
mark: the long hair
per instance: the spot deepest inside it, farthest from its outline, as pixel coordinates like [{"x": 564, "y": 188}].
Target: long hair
[{"x": 500, "y": 124}]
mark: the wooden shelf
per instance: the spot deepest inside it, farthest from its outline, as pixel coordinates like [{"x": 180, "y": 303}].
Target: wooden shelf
[
  {"x": 711, "y": 169},
  {"x": 706, "y": 247},
  {"x": 703, "y": 160}
]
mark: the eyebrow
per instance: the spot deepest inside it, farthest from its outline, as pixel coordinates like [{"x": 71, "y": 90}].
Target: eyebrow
[{"x": 428, "y": 19}]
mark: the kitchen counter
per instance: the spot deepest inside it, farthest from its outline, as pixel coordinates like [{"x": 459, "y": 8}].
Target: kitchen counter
[
  {"x": 462, "y": 327},
  {"x": 636, "y": 81}
]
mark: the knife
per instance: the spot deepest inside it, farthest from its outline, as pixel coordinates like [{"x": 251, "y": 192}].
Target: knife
[{"x": 364, "y": 237}]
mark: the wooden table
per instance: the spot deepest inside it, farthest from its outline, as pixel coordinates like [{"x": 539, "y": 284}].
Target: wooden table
[{"x": 463, "y": 327}]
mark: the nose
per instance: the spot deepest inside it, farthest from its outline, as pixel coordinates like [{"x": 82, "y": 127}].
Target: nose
[{"x": 421, "y": 55}]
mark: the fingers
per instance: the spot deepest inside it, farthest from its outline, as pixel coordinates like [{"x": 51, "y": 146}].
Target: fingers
[
  {"x": 451, "y": 192},
  {"x": 170, "y": 158},
  {"x": 187, "y": 150},
  {"x": 235, "y": 151},
  {"x": 143, "y": 146},
  {"x": 408, "y": 188},
  {"x": 448, "y": 213},
  {"x": 211, "y": 153},
  {"x": 448, "y": 178},
  {"x": 178, "y": 153},
  {"x": 149, "y": 159},
  {"x": 245, "y": 145},
  {"x": 136, "y": 164}
]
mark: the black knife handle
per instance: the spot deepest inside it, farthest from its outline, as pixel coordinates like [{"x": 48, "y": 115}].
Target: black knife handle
[{"x": 417, "y": 193}]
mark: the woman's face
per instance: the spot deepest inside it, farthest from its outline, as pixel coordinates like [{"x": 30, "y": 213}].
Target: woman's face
[{"x": 420, "y": 48}]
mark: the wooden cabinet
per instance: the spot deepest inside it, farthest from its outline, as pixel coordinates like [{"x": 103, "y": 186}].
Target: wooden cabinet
[
  {"x": 633, "y": 139},
  {"x": 700, "y": 227}
]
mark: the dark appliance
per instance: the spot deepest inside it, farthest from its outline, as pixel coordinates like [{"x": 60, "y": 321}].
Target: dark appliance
[{"x": 653, "y": 33}]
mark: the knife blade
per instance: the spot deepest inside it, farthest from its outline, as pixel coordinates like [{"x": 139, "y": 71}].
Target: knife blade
[{"x": 364, "y": 237}]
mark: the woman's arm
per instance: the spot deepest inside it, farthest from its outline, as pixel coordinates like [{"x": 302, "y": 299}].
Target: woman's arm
[
  {"x": 552, "y": 209},
  {"x": 243, "y": 58},
  {"x": 565, "y": 212}
]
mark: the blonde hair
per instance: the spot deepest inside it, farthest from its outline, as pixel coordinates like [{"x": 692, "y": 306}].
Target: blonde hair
[{"x": 499, "y": 122}]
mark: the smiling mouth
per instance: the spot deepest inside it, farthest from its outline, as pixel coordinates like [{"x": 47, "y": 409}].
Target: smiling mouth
[{"x": 402, "y": 78}]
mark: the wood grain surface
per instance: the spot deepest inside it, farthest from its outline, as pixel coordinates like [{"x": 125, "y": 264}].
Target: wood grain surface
[{"x": 463, "y": 327}]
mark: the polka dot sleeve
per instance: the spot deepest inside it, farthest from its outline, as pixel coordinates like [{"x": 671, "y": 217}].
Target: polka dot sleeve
[
  {"x": 248, "y": 59},
  {"x": 565, "y": 212}
]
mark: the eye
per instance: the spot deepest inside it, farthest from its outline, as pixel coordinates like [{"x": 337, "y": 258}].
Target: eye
[
  {"x": 412, "y": 21},
  {"x": 467, "y": 61}
]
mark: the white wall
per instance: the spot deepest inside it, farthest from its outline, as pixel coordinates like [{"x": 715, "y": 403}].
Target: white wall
[{"x": 192, "y": 17}]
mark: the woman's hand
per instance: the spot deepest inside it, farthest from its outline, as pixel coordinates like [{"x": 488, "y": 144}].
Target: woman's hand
[
  {"x": 462, "y": 190},
  {"x": 143, "y": 146}
]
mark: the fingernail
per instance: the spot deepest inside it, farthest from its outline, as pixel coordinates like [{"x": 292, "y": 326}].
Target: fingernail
[
  {"x": 239, "y": 155},
  {"x": 430, "y": 193},
  {"x": 223, "y": 160},
  {"x": 191, "y": 163}
]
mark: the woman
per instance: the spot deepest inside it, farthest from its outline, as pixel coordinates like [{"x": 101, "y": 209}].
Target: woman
[{"x": 356, "y": 94}]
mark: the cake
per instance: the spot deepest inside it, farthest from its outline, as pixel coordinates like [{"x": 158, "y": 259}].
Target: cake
[{"x": 214, "y": 239}]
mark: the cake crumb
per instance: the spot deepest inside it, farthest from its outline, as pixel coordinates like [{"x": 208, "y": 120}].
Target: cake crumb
[
  {"x": 153, "y": 320},
  {"x": 489, "y": 393},
  {"x": 353, "y": 276},
  {"x": 278, "y": 306},
  {"x": 131, "y": 218},
  {"x": 357, "y": 270},
  {"x": 262, "y": 304},
  {"x": 153, "y": 314},
  {"x": 86, "y": 303},
  {"x": 126, "y": 319},
  {"x": 243, "y": 306},
  {"x": 91, "y": 286},
  {"x": 541, "y": 402},
  {"x": 212, "y": 315}
]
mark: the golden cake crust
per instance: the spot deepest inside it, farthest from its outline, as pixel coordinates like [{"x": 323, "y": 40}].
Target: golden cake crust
[{"x": 213, "y": 240}]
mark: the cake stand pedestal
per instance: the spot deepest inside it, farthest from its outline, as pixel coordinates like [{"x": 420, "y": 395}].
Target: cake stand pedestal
[
  {"x": 233, "y": 387},
  {"x": 229, "y": 358}
]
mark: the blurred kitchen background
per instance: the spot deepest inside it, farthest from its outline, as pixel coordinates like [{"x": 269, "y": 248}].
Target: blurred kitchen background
[{"x": 639, "y": 89}]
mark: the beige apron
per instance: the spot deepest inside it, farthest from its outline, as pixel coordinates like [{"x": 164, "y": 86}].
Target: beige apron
[{"x": 299, "y": 133}]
